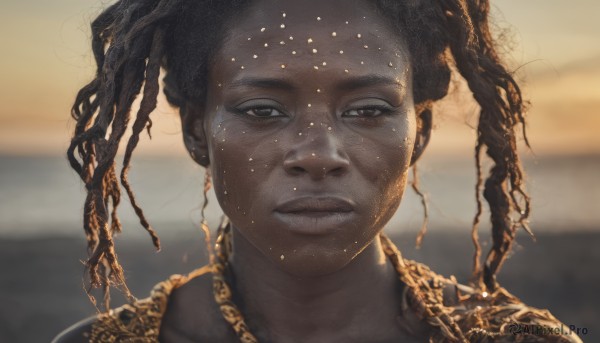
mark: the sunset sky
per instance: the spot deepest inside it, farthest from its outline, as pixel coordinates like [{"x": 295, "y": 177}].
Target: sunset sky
[{"x": 46, "y": 57}]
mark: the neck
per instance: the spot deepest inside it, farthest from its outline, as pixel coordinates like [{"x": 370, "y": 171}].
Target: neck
[{"x": 277, "y": 305}]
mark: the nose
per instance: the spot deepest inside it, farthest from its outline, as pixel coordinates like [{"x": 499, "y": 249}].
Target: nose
[{"x": 319, "y": 154}]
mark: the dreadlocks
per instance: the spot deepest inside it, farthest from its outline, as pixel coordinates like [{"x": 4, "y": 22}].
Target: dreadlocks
[{"x": 133, "y": 40}]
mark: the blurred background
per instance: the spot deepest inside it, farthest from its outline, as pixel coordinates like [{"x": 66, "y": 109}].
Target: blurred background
[{"x": 553, "y": 46}]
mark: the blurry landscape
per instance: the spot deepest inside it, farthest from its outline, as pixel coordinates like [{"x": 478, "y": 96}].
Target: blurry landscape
[{"x": 45, "y": 57}]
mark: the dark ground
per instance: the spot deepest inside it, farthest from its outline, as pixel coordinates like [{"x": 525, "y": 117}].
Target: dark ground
[{"x": 41, "y": 293}]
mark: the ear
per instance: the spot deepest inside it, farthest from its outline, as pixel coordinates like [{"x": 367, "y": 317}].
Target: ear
[
  {"x": 423, "y": 134},
  {"x": 194, "y": 137}
]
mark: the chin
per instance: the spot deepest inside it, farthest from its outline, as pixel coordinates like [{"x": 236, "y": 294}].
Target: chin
[{"x": 303, "y": 265}]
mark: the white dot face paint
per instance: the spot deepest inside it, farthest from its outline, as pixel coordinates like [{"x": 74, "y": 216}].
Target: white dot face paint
[
  {"x": 313, "y": 102},
  {"x": 262, "y": 29}
]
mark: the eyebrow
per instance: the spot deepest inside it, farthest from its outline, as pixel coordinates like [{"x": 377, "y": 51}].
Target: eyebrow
[
  {"x": 357, "y": 82},
  {"x": 262, "y": 82},
  {"x": 348, "y": 84}
]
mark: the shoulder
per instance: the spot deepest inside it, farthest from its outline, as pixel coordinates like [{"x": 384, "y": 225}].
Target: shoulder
[
  {"x": 178, "y": 310},
  {"x": 193, "y": 315},
  {"x": 77, "y": 333},
  {"x": 497, "y": 316}
]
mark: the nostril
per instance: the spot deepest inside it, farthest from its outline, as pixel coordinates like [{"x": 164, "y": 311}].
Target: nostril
[{"x": 297, "y": 170}]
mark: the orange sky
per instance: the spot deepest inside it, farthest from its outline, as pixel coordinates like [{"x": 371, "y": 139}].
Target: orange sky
[{"x": 45, "y": 54}]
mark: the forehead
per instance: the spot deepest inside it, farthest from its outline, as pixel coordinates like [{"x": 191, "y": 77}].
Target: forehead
[{"x": 313, "y": 35}]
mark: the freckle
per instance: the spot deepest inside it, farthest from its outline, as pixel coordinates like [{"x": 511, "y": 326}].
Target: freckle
[
  {"x": 318, "y": 18},
  {"x": 283, "y": 66},
  {"x": 329, "y": 128},
  {"x": 233, "y": 59},
  {"x": 324, "y": 63},
  {"x": 282, "y": 257},
  {"x": 333, "y": 34},
  {"x": 314, "y": 51},
  {"x": 262, "y": 29},
  {"x": 294, "y": 52},
  {"x": 282, "y": 26},
  {"x": 341, "y": 52},
  {"x": 309, "y": 40},
  {"x": 365, "y": 46},
  {"x": 254, "y": 56},
  {"x": 266, "y": 45},
  {"x": 358, "y": 35},
  {"x": 282, "y": 43}
]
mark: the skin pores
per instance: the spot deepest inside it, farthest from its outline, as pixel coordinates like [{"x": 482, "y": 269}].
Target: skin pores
[{"x": 309, "y": 101}]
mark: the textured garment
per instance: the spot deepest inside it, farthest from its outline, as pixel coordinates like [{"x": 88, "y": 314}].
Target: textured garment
[{"x": 497, "y": 317}]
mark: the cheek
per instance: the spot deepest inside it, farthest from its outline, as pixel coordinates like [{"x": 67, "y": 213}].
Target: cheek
[{"x": 241, "y": 162}]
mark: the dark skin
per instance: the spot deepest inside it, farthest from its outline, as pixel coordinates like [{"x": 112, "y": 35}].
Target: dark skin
[{"x": 280, "y": 129}]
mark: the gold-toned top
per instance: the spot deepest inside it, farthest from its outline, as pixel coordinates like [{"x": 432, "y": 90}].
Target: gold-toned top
[{"x": 481, "y": 317}]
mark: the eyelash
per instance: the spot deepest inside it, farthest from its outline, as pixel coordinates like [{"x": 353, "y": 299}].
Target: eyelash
[{"x": 385, "y": 110}]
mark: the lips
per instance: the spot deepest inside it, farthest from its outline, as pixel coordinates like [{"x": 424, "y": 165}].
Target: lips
[{"x": 311, "y": 204}]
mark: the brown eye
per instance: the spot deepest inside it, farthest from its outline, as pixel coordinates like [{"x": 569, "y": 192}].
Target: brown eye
[
  {"x": 263, "y": 112},
  {"x": 373, "y": 111}
]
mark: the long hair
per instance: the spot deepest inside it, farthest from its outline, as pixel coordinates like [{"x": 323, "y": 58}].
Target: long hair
[{"x": 132, "y": 40}]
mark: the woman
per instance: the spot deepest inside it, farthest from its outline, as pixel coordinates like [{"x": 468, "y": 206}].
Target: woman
[{"x": 308, "y": 116}]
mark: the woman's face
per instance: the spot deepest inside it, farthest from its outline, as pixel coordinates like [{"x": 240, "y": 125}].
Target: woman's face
[{"x": 310, "y": 127}]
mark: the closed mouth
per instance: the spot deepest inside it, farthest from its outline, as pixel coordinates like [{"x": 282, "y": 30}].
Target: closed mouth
[{"x": 310, "y": 205}]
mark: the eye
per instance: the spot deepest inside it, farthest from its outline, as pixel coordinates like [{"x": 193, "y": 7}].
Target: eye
[
  {"x": 262, "y": 112},
  {"x": 260, "y": 109},
  {"x": 372, "y": 111}
]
